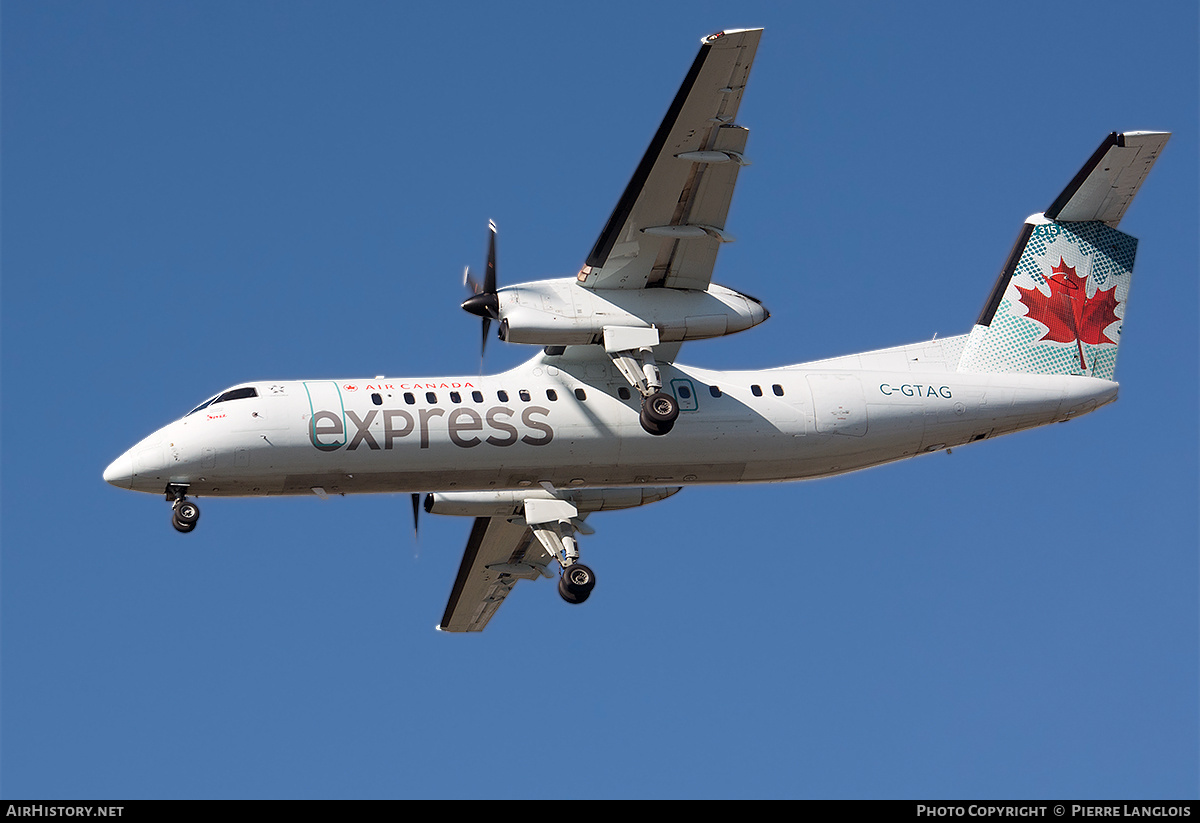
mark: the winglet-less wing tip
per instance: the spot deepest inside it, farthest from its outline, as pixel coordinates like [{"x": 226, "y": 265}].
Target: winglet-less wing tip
[
  {"x": 670, "y": 221},
  {"x": 712, "y": 38}
]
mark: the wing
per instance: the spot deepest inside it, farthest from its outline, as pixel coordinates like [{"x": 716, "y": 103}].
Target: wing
[
  {"x": 1106, "y": 184},
  {"x": 498, "y": 554},
  {"x": 669, "y": 223}
]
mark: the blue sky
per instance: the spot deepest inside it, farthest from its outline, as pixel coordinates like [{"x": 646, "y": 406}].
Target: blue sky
[{"x": 198, "y": 194}]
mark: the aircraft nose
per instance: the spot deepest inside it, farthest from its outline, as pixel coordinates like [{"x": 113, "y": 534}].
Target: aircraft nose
[{"x": 120, "y": 472}]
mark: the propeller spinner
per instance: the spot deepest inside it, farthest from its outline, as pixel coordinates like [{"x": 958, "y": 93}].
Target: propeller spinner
[{"x": 484, "y": 301}]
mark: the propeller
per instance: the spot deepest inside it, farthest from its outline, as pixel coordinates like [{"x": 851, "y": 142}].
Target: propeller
[
  {"x": 416, "y": 504},
  {"x": 484, "y": 301}
]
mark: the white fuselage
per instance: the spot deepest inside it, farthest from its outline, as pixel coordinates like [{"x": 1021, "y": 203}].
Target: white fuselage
[{"x": 574, "y": 423}]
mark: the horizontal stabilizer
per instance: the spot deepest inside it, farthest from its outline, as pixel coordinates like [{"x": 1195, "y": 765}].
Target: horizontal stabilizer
[{"x": 1107, "y": 183}]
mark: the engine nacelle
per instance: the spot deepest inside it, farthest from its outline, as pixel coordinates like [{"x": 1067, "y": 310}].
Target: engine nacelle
[
  {"x": 509, "y": 503},
  {"x": 563, "y": 313}
]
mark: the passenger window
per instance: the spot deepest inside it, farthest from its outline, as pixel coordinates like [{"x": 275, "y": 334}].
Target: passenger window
[
  {"x": 502, "y": 395},
  {"x": 551, "y": 394},
  {"x": 756, "y": 390},
  {"x": 580, "y": 394},
  {"x": 778, "y": 389},
  {"x": 524, "y": 395},
  {"x": 622, "y": 392},
  {"x": 455, "y": 397},
  {"x": 477, "y": 396},
  {"x": 376, "y": 399},
  {"x": 408, "y": 398},
  {"x": 684, "y": 392},
  {"x": 715, "y": 391},
  {"x": 430, "y": 397}
]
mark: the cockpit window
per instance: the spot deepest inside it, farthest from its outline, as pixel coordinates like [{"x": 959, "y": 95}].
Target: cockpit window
[
  {"x": 203, "y": 405},
  {"x": 238, "y": 394},
  {"x": 233, "y": 394}
]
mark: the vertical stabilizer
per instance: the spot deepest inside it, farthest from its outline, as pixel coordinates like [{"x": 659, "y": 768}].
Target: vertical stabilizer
[{"x": 1059, "y": 303}]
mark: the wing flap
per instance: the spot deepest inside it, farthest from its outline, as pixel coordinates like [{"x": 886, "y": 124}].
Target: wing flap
[
  {"x": 669, "y": 223},
  {"x": 498, "y": 554},
  {"x": 1107, "y": 183}
]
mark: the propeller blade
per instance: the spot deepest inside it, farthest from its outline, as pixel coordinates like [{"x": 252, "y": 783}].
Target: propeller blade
[
  {"x": 416, "y": 504},
  {"x": 470, "y": 283},
  {"x": 484, "y": 302},
  {"x": 489, "y": 276}
]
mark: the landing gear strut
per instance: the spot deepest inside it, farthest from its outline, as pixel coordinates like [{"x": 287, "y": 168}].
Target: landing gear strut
[{"x": 184, "y": 513}]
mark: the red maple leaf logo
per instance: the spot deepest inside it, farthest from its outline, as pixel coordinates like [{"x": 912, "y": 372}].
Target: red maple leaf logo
[{"x": 1068, "y": 314}]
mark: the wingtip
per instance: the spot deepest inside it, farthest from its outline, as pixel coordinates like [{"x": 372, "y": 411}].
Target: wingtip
[{"x": 710, "y": 39}]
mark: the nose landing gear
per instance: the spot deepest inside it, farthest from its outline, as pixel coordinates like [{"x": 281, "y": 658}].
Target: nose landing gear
[{"x": 184, "y": 513}]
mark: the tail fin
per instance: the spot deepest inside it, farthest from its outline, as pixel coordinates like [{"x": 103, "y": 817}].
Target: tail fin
[{"x": 1059, "y": 303}]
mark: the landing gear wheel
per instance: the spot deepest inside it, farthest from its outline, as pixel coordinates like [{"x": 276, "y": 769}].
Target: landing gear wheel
[
  {"x": 661, "y": 408},
  {"x": 579, "y": 578},
  {"x": 659, "y": 412},
  {"x": 184, "y": 515},
  {"x": 187, "y": 512},
  {"x": 576, "y": 583},
  {"x": 569, "y": 596},
  {"x": 656, "y": 429}
]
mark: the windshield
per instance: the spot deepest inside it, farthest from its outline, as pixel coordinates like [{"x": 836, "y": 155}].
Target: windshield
[{"x": 240, "y": 393}]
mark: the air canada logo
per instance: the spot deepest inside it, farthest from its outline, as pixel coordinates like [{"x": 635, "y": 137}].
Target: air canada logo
[{"x": 1068, "y": 314}]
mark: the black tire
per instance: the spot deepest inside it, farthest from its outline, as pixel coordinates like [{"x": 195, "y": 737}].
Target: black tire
[
  {"x": 579, "y": 579},
  {"x": 570, "y": 596},
  {"x": 187, "y": 513},
  {"x": 660, "y": 408},
  {"x": 656, "y": 429},
  {"x": 180, "y": 526}
]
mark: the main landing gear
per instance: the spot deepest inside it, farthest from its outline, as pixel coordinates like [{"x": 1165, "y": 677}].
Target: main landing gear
[
  {"x": 184, "y": 513},
  {"x": 632, "y": 352},
  {"x": 553, "y": 523}
]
